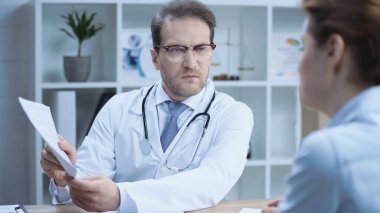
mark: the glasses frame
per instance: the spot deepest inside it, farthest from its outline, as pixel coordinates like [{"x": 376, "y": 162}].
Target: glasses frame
[{"x": 212, "y": 45}]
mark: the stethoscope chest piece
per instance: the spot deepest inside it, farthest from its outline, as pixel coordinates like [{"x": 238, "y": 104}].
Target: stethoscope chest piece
[{"x": 145, "y": 147}]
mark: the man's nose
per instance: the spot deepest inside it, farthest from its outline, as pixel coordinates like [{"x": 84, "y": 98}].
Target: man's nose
[{"x": 190, "y": 59}]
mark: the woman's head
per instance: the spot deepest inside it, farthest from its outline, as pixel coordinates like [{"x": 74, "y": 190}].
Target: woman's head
[
  {"x": 358, "y": 22},
  {"x": 342, "y": 50}
]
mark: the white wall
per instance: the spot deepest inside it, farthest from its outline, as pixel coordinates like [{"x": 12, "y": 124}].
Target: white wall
[{"x": 16, "y": 79}]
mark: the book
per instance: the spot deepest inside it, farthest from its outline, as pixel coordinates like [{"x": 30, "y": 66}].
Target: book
[{"x": 285, "y": 56}]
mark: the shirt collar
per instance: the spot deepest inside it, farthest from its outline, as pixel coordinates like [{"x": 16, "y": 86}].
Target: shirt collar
[
  {"x": 363, "y": 102},
  {"x": 192, "y": 101}
]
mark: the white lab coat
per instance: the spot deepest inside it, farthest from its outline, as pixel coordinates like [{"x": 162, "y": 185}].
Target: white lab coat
[{"x": 112, "y": 148}]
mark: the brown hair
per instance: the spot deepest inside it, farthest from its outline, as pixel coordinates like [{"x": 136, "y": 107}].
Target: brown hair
[
  {"x": 358, "y": 22},
  {"x": 178, "y": 9}
]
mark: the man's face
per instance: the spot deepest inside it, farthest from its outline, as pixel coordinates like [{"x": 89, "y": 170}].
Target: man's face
[{"x": 187, "y": 76}]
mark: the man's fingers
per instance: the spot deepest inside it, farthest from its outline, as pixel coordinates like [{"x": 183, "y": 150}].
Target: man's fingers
[
  {"x": 87, "y": 184},
  {"x": 79, "y": 184},
  {"x": 67, "y": 148},
  {"x": 48, "y": 156},
  {"x": 274, "y": 203},
  {"x": 77, "y": 200},
  {"x": 47, "y": 148}
]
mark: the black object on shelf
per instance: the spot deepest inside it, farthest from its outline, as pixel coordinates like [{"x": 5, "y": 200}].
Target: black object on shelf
[{"x": 104, "y": 98}]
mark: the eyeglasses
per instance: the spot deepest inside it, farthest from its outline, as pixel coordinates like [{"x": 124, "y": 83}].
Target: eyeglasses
[{"x": 177, "y": 53}]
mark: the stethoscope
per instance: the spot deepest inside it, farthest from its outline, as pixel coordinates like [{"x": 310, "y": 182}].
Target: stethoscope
[{"x": 146, "y": 146}]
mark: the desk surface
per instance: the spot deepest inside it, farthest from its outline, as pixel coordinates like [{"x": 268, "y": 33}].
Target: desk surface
[{"x": 223, "y": 207}]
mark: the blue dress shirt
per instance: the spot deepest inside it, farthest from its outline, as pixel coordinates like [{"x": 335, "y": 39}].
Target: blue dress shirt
[{"x": 338, "y": 168}]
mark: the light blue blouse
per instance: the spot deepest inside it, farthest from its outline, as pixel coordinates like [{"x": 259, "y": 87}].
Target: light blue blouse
[{"x": 337, "y": 169}]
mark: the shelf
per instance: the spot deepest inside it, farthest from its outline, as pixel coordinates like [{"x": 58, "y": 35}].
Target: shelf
[
  {"x": 251, "y": 183},
  {"x": 76, "y": 1},
  {"x": 282, "y": 3},
  {"x": 255, "y": 163},
  {"x": 81, "y": 85},
  {"x": 138, "y": 83},
  {"x": 278, "y": 180},
  {"x": 281, "y": 162},
  {"x": 294, "y": 83},
  {"x": 285, "y": 122},
  {"x": 240, "y": 83},
  {"x": 54, "y": 44}
]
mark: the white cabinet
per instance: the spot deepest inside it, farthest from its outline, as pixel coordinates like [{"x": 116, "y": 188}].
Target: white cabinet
[{"x": 243, "y": 33}]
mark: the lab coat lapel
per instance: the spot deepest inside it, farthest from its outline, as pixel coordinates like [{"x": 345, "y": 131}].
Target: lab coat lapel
[
  {"x": 136, "y": 110},
  {"x": 152, "y": 123},
  {"x": 151, "y": 119}
]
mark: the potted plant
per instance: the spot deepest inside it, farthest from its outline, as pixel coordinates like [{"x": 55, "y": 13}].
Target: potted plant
[{"x": 77, "y": 68}]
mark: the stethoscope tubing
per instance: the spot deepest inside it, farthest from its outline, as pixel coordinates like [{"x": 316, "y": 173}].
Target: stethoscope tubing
[{"x": 205, "y": 113}]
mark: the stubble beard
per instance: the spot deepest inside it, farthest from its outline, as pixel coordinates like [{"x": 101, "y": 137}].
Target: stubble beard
[{"x": 180, "y": 91}]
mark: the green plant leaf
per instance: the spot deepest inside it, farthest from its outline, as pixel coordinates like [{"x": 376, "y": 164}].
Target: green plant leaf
[
  {"x": 81, "y": 25},
  {"x": 67, "y": 33}
]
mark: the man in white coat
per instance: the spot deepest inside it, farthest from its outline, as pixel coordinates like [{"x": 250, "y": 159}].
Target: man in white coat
[{"x": 124, "y": 163}]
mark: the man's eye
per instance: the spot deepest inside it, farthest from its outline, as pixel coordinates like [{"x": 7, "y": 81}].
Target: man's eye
[
  {"x": 177, "y": 50},
  {"x": 200, "y": 48}
]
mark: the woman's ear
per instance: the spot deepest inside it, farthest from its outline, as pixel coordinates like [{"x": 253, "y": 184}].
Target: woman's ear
[
  {"x": 154, "y": 55},
  {"x": 335, "y": 47}
]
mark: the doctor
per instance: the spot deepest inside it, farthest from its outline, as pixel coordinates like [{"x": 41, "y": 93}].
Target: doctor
[{"x": 130, "y": 163}]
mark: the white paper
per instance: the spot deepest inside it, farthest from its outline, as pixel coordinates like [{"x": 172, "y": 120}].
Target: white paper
[
  {"x": 40, "y": 116},
  {"x": 7, "y": 208},
  {"x": 248, "y": 210},
  {"x": 10, "y": 209}
]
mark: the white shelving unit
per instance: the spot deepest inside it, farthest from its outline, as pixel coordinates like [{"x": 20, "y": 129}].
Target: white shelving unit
[{"x": 249, "y": 24}]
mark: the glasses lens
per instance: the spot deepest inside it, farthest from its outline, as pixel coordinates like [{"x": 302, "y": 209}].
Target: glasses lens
[
  {"x": 177, "y": 53},
  {"x": 203, "y": 51}
]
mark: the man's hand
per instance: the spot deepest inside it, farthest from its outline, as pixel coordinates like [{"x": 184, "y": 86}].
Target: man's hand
[
  {"x": 272, "y": 207},
  {"x": 96, "y": 193},
  {"x": 51, "y": 165}
]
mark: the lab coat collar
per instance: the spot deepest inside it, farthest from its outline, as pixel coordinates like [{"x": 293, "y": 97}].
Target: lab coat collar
[{"x": 136, "y": 107}]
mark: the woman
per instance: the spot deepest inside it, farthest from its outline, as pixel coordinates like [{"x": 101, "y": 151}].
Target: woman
[{"x": 337, "y": 168}]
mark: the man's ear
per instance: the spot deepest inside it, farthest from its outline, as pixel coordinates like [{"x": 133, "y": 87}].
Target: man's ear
[
  {"x": 335, "y": 47},
  {"x": 154, "y": 55}
]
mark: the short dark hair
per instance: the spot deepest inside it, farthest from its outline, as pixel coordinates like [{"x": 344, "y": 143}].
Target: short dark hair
[
  {"x": 179, "y": 9},
  {"x": 358, "y": 22}
]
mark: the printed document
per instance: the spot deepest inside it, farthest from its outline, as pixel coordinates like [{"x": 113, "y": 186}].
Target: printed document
[{"x": 41, "y": 118}]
